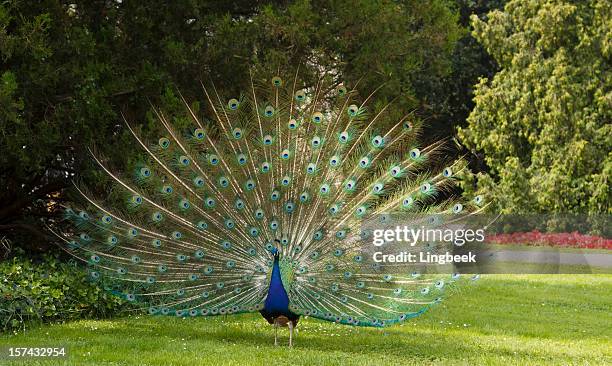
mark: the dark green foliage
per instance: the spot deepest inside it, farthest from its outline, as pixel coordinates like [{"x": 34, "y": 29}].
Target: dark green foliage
[
  {"x": 69, "y": 69},
  {"x": 470, "y": 61},
  {"x": 47, "y": 291}
]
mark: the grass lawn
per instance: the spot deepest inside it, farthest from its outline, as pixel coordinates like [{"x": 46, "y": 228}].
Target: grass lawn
[{"x": 501, "y": 319}]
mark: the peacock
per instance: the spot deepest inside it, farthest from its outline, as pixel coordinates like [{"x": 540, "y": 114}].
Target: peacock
[{"x": 257, "y": 202}]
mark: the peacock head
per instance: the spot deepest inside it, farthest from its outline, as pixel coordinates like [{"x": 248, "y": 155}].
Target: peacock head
[{"x": 274, "y": 250}]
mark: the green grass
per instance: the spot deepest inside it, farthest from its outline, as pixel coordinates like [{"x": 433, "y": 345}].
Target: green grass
[{"x": 501, "y": 319}]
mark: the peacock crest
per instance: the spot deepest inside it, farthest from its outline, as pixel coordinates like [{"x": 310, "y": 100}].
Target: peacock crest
[{"x": 191, "y": 228}]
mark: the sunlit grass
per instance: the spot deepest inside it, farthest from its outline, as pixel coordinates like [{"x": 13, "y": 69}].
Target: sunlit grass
[{"x": 501, "y": 319}]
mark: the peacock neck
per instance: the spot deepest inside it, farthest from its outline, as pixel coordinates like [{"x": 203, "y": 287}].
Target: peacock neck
[{"x": 277, "y": 300}]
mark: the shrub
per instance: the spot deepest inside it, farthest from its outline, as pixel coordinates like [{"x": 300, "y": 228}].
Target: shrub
[{"x": 49, "y": 290}]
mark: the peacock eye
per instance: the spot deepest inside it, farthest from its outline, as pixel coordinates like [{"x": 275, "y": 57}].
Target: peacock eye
[
  {"x": 157, "y": 216},
  {"x": 223, "y": 182},
  {"x": 259, "y": 214},
  {"x": 184, "y": 204},
  {"x": 425, "y": 187},
  {"x": 311, "y": 168},
  {"x": 317, "y": 117},
  {"x": 292, "y": 125},
  {"x": 198, "y": 181},
  {"x": 199, "y": 133},
  {"x": 478, "y": 199},
  {"x": 267, "y": 140},
  {"x": 407, "y": 202},
  {"x": 315, "y": 142},
  {"x": 352, "y": 110},
  {"x": 237, "y": 132},
  {"x": 364, "y": 162},
  {"x": 285, "y": 154},
  {"x": 341, "y": 90},
  {"x": 145, "y": 172},
  {"x": 241, "y": 159},
  {"x": 265, "y": 167},
  {"x": 184, "y": 160},
  {"x": 378, "y": 141},
  {"x": 233, "y": 104},
  {"x": 350, "y": 185},
  {"x": 286, "y": 180},
  {"x": 164, "y": 143},
  {"x": 304, "y": 197},
  {"x": 415, "y": 153},
  {"x": 275, "y": 195},
  {"x": 239, "y": 204},
  {"x": 269, "y": 111},
  {"x": 213, "y": 159},
  {"x": 458, "y": 207},
  {"x": 289, "y": 207},
  {"x": 343, "y": 137},
  {"x": 300, "y": 95},
  {"x": 274, "y": 225},
  {"x": 249, "y": 185},
  {"x": 447, "y": 172},
  {"x": 277, "y": 81}
]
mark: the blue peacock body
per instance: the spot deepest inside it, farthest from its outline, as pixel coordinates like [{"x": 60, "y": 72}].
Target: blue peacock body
[{"x": 256, "y": 203}]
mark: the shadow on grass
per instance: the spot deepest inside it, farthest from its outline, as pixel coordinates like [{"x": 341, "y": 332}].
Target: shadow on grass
[{"x": 392, "y": 342}]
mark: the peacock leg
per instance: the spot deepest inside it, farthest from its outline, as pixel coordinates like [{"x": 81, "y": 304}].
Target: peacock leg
[
  {"x": 290, "y": 334},
  {"x": 275, "y": 333}
]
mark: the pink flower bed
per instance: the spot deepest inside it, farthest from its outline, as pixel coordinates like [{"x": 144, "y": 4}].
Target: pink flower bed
[{"x": 565, "y": 240}]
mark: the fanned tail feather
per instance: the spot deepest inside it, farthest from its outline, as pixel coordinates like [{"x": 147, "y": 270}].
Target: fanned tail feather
[{"x": 188, "y": 229}]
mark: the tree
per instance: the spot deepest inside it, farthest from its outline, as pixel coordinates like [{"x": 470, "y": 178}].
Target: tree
[
  {"x": 543, "y": 121},
  {"x": 69, "y": 69},
  {"x": 453, "y": 100}
]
